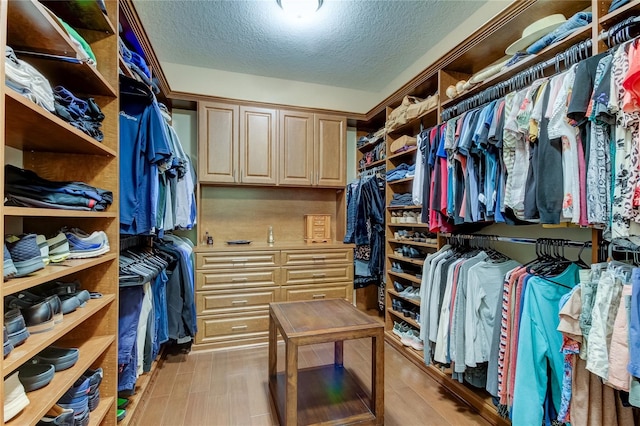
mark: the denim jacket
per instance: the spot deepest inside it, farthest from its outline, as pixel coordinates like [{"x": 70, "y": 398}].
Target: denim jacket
[{"x": 578, "y": 20}]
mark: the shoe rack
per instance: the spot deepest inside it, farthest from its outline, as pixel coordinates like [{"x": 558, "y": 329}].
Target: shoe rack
[{"x": 38, "y": 140}]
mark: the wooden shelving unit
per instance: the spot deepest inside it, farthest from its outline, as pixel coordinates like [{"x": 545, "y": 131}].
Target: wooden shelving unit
[{"x": 57, "y": 151}]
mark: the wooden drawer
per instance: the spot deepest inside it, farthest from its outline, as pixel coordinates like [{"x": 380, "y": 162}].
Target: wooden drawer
[
  {"x": 316, "y": 257},
  {"x": 237, "y": 259},
  {"x": 317, "y": 292},
  {"x": 217, "y": 302},
  {"x": 216, "y": 328},
  {"x": 317, "y": 275},
  {"x": 220, "y": 280}
]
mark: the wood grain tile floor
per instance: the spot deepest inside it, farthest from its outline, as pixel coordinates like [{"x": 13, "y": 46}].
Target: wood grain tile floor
[{"x": 227, "y": 388}]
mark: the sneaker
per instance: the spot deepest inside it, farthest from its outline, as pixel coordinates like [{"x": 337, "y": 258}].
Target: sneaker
[
  {"x": 412, "y": 339},
  {"x": 58, "y": 248},
  {"x": 37, "y": 315},
  {"x": 41, "y": 240},
  {"x": 25, "y": 254},
  {"x": 57, "y": 416},
  {"x": 400, "y": 328},
  {"x": 7, "y": 345},
  {"x": 83, "y": 245},
  {"x": 15, "y": 398},
  {"x": 16, "y": 327},
  {"x": 8, "y": 267}
]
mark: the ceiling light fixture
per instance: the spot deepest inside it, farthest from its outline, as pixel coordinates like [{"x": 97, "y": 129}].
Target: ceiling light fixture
[{"x": 300, "y": 8}]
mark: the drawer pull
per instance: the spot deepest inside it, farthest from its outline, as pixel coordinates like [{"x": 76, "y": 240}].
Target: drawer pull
[
  {"x": 238, "y": 327},
  {"x": 320, "y": 275},
  {"x": 239, "y": 260},
  {"x": 239, "y": 280},
  {"x": 238, "y": 302},
  {"x": 319, "y": 257},
  {"x": 319, "y": 296}
]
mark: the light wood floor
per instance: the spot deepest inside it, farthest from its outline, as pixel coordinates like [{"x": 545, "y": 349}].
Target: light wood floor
[{"x": 230, "y": 388}]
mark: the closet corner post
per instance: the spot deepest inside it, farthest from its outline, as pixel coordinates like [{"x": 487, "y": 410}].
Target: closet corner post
[{"x": 596, "y": 237}]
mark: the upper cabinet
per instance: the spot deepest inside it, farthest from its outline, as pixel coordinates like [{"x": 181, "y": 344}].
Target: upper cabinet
[
  {"x": 258, "y": 146},
  {"x": 330, "y": 150},
  {"x": 263, "y": 146},
  {"x": 218, "y": 142}
]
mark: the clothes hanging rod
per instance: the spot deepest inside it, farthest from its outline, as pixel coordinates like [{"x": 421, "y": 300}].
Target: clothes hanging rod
[{"x": 518, "y": 240}]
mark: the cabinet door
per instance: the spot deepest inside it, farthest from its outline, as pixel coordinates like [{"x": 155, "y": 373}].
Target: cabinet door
[
  {"x": 217, "y": 142},
  {"x": 296, "y": 148},
  {"x": 330, "y": 150},
  {"x": 258, "y": 146}
]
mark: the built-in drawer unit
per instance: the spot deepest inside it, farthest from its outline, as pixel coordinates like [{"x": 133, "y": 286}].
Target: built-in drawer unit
[
  {"x": 229, "y": 328},
  {"x": 226, "y": 301},
  {"x": 317, "y": 292},
  {"x": 316, "y": 274},
  {"x": 240, "y": 259},
  {"x": 230, "y": 279},
  {"x": 316, "y": 257}
]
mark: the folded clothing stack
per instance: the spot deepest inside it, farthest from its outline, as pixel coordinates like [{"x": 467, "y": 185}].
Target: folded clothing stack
[
  {"x": 402, "y": 171},
  {"x": 27, "y": 81},
  {"x": 401, "y": 200},
  {"x": 25, "y": 188},
  {"x": 85, "y": 116}
]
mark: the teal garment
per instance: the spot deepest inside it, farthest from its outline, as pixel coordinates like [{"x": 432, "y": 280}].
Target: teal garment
[
  {"x": 73, "y": 33},
  {"x": 539, "y": 344}
]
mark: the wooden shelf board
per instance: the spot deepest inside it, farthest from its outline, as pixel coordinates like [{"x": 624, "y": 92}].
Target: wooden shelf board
[
  {"x": 124, "y": 67},
  {"x": 403, "y": 207},
  {"x": 32, "y": 128},
  {"x": 36, "y": 212},
  {"x": 399, "y": 181},
  {"x": 407, "y": 277},
  {"x": 619, "y": 14},
  {"x": 53, "y": 272},
  {"x": 580, "y": 34},
  {"x": 409, "y": 225},
  {"x": 80, "y": 78},
  {"x": 414, "y": 243},
  {"x": 402, "y": 154},
  {"x": 406, "y": 259},
  {"x": 84, "y": 14},
  {"x": 479, "y": 400},
  {"x": 415, "y": 122},
  {"x": 369, "y": 146},
  {"x": 335, "y": 398},
  {"x": 408, "y": 320},
  {"x": 42, "y": 399},
  {"x": 31, "y": 27},
  {"x": 100, "y": 413},
  {"x": 38, "y": 341},
  {"x": 396, "y": 294},
  {"x": 374, "y": 164}
]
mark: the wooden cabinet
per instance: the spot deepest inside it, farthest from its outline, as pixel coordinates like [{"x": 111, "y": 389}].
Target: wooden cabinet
[
  {"x": 218, "y": 154},
  {"x": 330, "y": 150},
  {"x": 234, "y": 288},
  {"x": 296, "y": 148},
  {"x": 55, "y": 150},
  {"x": 262, "y": 146},
  {"x": 258, "y": 146}
]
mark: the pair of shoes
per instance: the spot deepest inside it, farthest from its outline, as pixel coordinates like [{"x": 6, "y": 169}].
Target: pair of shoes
[
  {"x": 412, "y": 338},
  {"x": 41, "y": 240},
  {"x": 25, "y": 253},
  {"x": 95, "y": 378},
  {"x": 15, "y": 398},
  {"x": 58, "y": 248},
  {"x": 70, "y": 294},
  {"x": 16, "y": 327},
  {"x": 8, "y": 267},
  {"x": 411, "y": 252},
  {"x": 77, "y": 399},
  {"x": 398, "y": 287},
  {"x": 7, "y": 345},
  {"x": 83, "y": 245},
  {"x": 395, "y": 267},
  {"x": 40, "y": 313},
  {"x": 397, "y": 305},
  {"x": 123, "y": 402},
  {"x": 34, "y": 376},
  {"x": 57, "y": 416},
  {"x": 60, "y": 358},
  {"x": 411, "y": 292},
  {"x": 121, "y": 414},
  {"x": 399, "y": 328}
]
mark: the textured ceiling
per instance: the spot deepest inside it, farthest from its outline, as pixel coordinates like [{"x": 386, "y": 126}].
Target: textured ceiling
[{"x": 357, "y": 44}]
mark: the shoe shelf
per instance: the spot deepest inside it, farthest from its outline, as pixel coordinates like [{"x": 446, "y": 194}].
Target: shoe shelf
[
  {"x": 418, "y": 262},
  {"x": 402, "y": 154},
  {"x": 404, "y": 207},
  {"x": 53, "y": 272},
  {"x": 369, "y": 146},
  {"x": 399, "y": 181},
  {"x": 83, "y": 15},
  {"x": 32, "y": 28},
  {"x": 99, "y": 413},
  {"x": 408, "y": 320},
  {"x": 619, "y": 14},
  {"x": 414, "y": 243},
  {"x": 36, "y": 212},
  {"x": 38, "y": 341},
  {"x": 35, "y": 129},
  {"x": 409, "y": 225},
  {"x": 407, "y": 277},
  {"x": 406, "y": 299},
  {"x": 42, "y": 399}
]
